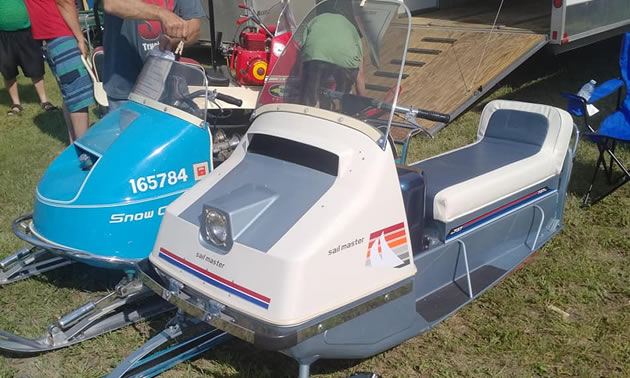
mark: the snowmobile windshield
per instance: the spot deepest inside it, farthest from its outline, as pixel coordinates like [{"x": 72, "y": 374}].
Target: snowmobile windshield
[
  {"x": 286, "y": 20},
  {"x": 274, "y": 13},
  {"x": 173, "y": 87},
  {"x": 346, "y": 56}
]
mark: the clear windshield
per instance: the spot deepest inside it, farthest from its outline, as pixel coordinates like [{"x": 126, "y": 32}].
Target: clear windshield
[
  {"x": 346, "y": 56},
  {"x": 275, "y": 15},
  {"x": 286, "y": 20},
  {"x": 173, "y": 87}
]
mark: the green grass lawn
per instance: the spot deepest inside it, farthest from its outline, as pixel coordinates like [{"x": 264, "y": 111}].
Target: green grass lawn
[{"x": 508, "y": 331}]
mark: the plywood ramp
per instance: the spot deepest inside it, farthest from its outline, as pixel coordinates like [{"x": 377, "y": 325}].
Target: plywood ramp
[{"x": 455, "y": 56}]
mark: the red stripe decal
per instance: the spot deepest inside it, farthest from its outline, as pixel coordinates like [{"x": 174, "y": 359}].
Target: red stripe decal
[
  {"x": 387, "y": 230},
  {"x": 215, "y": 277},
  {"x": 500, "y": 208}
]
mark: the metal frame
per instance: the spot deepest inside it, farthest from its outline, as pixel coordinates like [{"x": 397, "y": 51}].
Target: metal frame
[{"x": 92, "y": 319}]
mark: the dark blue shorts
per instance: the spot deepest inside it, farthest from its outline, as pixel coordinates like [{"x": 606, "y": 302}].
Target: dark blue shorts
[{"x": 64, "y": 59}]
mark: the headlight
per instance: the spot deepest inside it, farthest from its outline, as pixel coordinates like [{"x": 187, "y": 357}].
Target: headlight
[{"x": 216, "y": 229}]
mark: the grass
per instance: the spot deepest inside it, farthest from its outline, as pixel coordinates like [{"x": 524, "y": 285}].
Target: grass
[{"x": 509, "y": 331}]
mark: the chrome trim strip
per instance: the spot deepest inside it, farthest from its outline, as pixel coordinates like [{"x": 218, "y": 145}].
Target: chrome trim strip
[
  {"x": 196, "y": 310},
  {"x": 58, "y": 249},
  {"x": 283, "y": 337},
  {"x": 353, "y": 312}
]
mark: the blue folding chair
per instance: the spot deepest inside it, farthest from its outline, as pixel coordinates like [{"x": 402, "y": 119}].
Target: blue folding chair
[{"x": 614, "y": 129}]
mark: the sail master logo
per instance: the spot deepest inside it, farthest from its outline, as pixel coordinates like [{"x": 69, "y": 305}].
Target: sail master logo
[{"x": 388, "y": 248}]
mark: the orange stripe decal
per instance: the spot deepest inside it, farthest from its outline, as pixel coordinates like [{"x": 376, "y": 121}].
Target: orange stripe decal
[
  {"x": 395, "y": 235},
  {"x": 398, "y": 242}
]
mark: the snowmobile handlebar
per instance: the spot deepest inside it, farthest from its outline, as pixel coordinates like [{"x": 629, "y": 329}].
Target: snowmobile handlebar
[
  {"x": 426, "y": 114},
  {"x": 350, "y": 101},
  {"x": 254, "y": 17},
  {"x": 229, "y": 99},
  {"x": 214, "y": 95}
]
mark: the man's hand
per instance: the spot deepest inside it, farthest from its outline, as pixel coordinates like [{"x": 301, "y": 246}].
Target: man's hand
[
  {"x": 174, "y": 26},
  {"x": 83, "y": 47}
]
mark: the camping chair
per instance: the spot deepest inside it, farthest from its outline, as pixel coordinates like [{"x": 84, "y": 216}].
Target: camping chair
[{"x": 614, "y": 129}]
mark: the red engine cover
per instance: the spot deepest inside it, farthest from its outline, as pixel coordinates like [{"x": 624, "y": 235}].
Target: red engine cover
[{"x": 254, "y": 41}]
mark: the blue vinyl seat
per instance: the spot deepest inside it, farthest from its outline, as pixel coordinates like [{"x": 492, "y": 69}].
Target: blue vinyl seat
[{"x": 613, "y": 130}]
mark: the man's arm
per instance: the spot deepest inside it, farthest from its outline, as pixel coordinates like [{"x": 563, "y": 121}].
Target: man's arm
[
  {"x": 71, "y": 16},
  {"x": 174, "y": 26}
]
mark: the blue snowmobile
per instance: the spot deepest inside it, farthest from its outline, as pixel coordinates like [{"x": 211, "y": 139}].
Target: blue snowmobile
[{"x": 101, "y": 201}]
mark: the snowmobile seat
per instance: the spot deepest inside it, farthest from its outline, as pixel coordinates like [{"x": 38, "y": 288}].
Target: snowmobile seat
[
  {"x": 413, "y": 192},
  {"x": 219, "y": 77},
  {"x": 519, "y": 145}
]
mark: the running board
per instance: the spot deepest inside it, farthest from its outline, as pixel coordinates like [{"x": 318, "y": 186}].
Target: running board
[{"x": 444, "y": 301}]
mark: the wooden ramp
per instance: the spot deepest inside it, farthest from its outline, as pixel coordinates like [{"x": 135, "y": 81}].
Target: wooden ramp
[{"x": 455, "y": 56}]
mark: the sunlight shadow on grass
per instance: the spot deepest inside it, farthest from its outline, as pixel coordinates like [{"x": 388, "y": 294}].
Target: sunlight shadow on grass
[{"x": 53, "y": 124}]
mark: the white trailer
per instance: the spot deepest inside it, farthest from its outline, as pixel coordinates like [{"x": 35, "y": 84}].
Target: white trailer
[{"x": 575, "y": 23}]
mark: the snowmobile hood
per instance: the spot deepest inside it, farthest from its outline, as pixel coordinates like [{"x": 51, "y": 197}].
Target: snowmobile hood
[
  {"x": 116, "y": 157},
  {"x": 142, "y": 159}
]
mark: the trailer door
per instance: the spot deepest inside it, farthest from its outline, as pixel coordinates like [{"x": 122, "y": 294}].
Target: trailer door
[{"x": 456, "y": 55}]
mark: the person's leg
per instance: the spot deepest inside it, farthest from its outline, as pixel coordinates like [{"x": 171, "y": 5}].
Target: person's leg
[
  {"x": 313, "y": 74},
  {"x": 38, "y": 83},
  {"x": 68, "y": 120},
  {"x": 32, "y": 63},
  {"x": 12, "y": 88},
  {"x": 309, "y": 87},
  {"x": 80, "y": 122},
  {"x": 9, "y": 70},
  {"x": 74, "y": 81},
  {"x": 344, "y": 78},
  {"x": 327, "y": 81}
]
